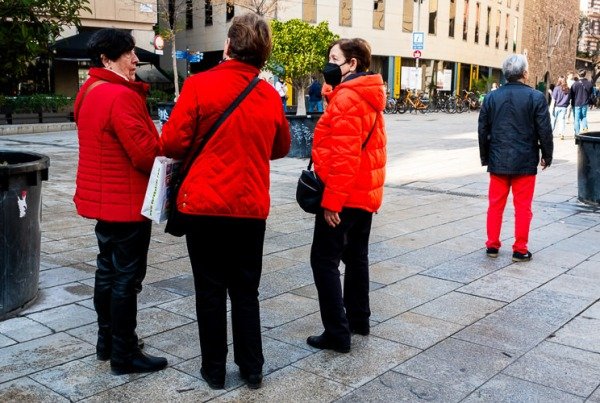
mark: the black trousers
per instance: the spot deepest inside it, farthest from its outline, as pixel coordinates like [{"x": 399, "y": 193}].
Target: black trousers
[
  {"x": 348, "y": 242},
  {"x": 226, "y": 257},
  {"x": 121, "y": 262}
]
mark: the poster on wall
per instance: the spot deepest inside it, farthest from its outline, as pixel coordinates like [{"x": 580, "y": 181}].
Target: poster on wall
[
  {"x": 444, "y": 80},
  {"x": 412, "y": 78}
]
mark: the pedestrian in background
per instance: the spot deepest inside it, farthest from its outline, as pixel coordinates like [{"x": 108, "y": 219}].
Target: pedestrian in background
[
  {"x": 225, "y": 196},
  {"x": 349, "y": 156},
  {"x": 282, "y": 90},
  {"x": 561, "y": 97},
  {"x": 581, "y": 92},
  {"x": 514, "y": 125},
  {"x": 315, "y": 99},
  {"x": 570, "y": 81},
  {"x": 117, "y": 145}
]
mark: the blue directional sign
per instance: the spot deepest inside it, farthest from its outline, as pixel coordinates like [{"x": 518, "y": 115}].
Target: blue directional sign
[
  {"x": 195, "y": 57},
  {"x": 418, "y": 40},
  {"x": 181, "y": 54}
]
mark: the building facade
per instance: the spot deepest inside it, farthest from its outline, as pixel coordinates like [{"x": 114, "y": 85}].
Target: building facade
[
  {"x": 71, "y": 63},
  {"x": 590, "y": 38}
]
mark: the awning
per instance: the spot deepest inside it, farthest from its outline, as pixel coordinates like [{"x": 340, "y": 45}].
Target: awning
[{"x": 75, "y": 48}]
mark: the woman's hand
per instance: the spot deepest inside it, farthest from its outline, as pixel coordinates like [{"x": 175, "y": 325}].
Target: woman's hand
[{"x": 331, "y": 218}]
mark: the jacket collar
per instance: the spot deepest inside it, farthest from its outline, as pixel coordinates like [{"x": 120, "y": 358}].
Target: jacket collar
[{"x": 99, "y": 73}]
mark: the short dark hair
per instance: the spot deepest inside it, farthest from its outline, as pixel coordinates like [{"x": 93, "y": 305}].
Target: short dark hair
[
  {"x": 250, "y": 39},
  {"x": 110, "y": 42},
  {"x": 582, "y": 73},
  {"x": 356, "y": 48}
]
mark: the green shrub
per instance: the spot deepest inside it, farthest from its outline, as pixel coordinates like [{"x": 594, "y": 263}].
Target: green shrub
[{"x": 35, "y": 103}]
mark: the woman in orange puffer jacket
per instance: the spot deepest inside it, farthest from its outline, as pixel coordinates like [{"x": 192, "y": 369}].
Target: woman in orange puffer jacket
[{"x": 349, "y": 156}]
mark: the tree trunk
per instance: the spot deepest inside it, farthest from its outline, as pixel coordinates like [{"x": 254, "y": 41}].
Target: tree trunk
[
  {"x": 300, "y": 98},
  {"x": 175, "y": 74}
]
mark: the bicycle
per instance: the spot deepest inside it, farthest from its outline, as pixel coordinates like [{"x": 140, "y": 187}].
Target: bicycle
[{"x": 412, "y": 102}]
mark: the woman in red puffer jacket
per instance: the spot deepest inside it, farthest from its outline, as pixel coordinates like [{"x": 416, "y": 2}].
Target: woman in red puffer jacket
[
  {"x": 117, "y": 146},
  {"x": 225, "y": 195},
  {"x": 349, "y": 156}
]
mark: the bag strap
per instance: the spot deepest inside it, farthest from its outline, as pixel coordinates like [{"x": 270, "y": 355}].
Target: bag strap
[
  {"x": 364, "y": 144},
  {"x": 91, "y": 87},
  {"x": 216, "y": 125}
]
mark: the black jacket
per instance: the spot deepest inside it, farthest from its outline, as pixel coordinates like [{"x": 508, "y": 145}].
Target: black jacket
[
  {"x": 580, "y": 92},
  {"x": 514, "y": 125}
]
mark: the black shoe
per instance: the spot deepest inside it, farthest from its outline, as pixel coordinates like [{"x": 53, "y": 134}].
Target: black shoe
[
  {"x": 321, "y": 342},
  {"x": 254, "y": 381},
  {"x": 103, "y": 351},
  {"x": 492, "y": 252},
  {"x": 213, "y": 383},
  {"x": 363, "y": 330},
  {"x": 138, "y": 363},
  {"x": 521, "y": 257}
]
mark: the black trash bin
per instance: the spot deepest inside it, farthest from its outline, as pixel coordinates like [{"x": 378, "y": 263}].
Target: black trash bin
[
  {"x": 21, "y": 174},
  {"x": 164, "y": 111},
  {"x": 302, "y": 128},
  {"x": 588, "y": 167}
]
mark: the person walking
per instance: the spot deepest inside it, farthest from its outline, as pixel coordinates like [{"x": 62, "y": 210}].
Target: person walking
[
  {"x": 349, "y": 156},
  {"x": 225, "y": 195},
  {"x": 581, "y": 91},
  {"x": 282, "y": 90},
  {"x": 315, "y": 99},
  {"x": 117, "y": 145},
  {"x": 561, "y": 97},
  {"x": 514, "y": 125}
]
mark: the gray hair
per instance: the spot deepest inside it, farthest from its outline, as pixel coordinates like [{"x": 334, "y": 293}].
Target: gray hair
[{"x": 514, "y": 67}]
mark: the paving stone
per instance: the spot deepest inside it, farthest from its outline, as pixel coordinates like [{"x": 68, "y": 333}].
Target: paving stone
[
  {"x": 465, "y": 270},
  {"x": 504, "y": 388},
  {"x": 183, "y": 306},
  {"x": 6, "y": 341},
  {"x": 459, "y": 308},
  {"x": 593, "y": 311},
  {"x": 588, "y": 269},
  {"x": 534, "y": 271},
  {"x": 415, "y": 330},
  {"x": 395, "y": 387},
  {"x": 60, "y": 295},
  {"x": 574, "y": 285},
  {"x": 27, "y": 390},
  {"x": 582, "y": 332},
  {"x": 297, "y": 331},
  {"x": 391, "y": 271},
  {"x": 428, "y": 257},
  {"x": 23, "y": 329},
  {"x": 417, "y": 290},
  {"x": 77, "y": 380},
  {"x": 152, "y": 295},
  {"x": 300, "y": 386},
  {"x": 369, "y": 357},
  {"x": 285, "y": 308},
  {"x": 65, "y": 317},
  {"x": 499, "y": 287},
  {"x": 182, "y": 285},
  {"x": 151, "y": 321},
  {"x": 182, "y": 341},
  {"x": 278, "y": 283},
  {"x": 595, "y": 397},
  {"x": 560, "y": 367},
  {"x": 35, "y": 355},
  {"x": 164, "y": 386},
  {"x": 88, "y": 333},
  {"x": 458, "y": 364},
  {"x": 62, "y": 275}
]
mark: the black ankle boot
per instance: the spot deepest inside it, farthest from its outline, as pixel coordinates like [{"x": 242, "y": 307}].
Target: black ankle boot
[
  {"x": 137, "y": 362},
  {"x": 253, "y": 380},
  {"x": 323, "y": 343},
  {"x": 104, "y": 346}
]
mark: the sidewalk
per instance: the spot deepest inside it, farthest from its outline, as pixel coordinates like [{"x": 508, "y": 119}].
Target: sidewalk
[{"x": 448, "y": 323}]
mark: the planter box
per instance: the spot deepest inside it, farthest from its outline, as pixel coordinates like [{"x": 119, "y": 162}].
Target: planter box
[{"x": 302, "y": 128}]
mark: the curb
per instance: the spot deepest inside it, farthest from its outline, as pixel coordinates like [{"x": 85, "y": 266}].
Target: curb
[{"x": 7, "y": 130}]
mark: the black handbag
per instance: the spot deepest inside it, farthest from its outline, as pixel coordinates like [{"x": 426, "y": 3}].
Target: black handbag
[
  {"x": 309, "y": 191},
  {"x": 177, "y": 221}
]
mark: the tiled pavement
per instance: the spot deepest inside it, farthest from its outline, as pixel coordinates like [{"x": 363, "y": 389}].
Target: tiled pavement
[{"x": 448, "y": 323}]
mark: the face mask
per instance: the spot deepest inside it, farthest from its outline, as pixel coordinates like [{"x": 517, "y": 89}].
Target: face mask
[{"x": 333, "y": 73}]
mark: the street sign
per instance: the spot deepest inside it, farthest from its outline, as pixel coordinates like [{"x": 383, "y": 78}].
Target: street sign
[
  {"x": 417, "y": 54},
  {"x": 195, "y": 57},
  {"x": 181, "y": 54},
  {"x": 418, "y": 40}
]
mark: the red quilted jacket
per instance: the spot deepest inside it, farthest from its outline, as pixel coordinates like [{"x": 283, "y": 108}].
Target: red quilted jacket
[
  {"x": 117, "y": 145},
  {"x": 353, "y": 177},
  {"x": 231, "y": 175}
]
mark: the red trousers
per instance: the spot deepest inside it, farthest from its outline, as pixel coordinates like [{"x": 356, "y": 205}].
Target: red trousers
[{"x": 522, "y": 190}]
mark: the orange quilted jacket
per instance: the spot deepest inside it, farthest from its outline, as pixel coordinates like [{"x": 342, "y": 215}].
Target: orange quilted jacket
[{"x": 353, "y": 177}]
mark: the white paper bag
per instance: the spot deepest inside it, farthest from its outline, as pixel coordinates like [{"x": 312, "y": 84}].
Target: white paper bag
[{"x": 162, "y": 179}]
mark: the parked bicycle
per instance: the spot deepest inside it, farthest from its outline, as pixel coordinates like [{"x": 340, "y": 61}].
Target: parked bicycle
[{"x": 412, "y": 101}]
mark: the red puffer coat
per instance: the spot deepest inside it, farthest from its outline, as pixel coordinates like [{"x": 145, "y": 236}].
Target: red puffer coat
[
  {"x": 117, "y": 145},
  {"x": 353, "y": 177},
  {"x": 230, "y": 177}
]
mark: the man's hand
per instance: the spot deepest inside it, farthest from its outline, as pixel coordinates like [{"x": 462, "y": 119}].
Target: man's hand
[
  {"x": 543, "y": 164},
  {"x": 331, "y": 218}
]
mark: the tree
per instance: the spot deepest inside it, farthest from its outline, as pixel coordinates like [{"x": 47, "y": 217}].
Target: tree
[
  {"x": 299, "y": 51},
  {"x": 28, "y": 27}
]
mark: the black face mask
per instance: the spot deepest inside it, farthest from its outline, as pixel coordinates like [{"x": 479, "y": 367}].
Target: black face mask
[{"x": 333, "y": 73}]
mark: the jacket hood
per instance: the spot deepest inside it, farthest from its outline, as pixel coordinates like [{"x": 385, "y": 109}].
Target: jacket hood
[{"x": 369, "y": 87}]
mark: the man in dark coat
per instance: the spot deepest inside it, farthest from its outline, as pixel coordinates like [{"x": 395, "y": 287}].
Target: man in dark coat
[
  {"x": 514, "y": 126},
  {"x": 581, "y": 91}
]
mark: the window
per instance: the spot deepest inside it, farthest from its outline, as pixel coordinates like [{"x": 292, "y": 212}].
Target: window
[
  {"x": 346, "y": 13},
  {"x": 229, "y": 10},
  {"x": 466, "y": 21},
  {"x": 208, "y": 12},
  {"x": 433, "y": 11},
  {"x": 378, "y": 14},
  {"x": 477, "y": 17},
  {"x": 508, "y": 3},
  {"x": 189, "y": 14},
  {"x": 498, "y": 21},
  {"x": 506, "y": 29},
  {"x": 309, "y": 10},
  {"x": 515, "y": 31},
  {"x": 452, "y": 19},
  {"x": 407, "y": 16},
  {"x": 487, "y": 26}
]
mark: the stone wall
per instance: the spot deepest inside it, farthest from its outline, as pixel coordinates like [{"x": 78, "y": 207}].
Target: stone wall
[{"x": 542, "y": 19}]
